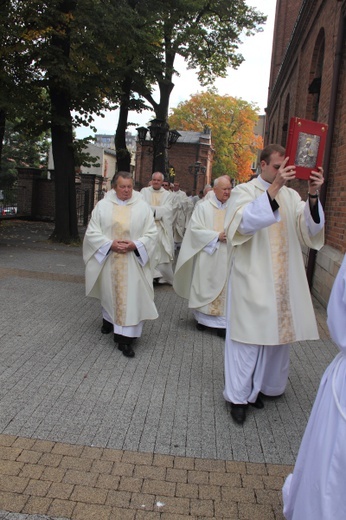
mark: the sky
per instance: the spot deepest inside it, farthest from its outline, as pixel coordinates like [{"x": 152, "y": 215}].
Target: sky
[{"x": 249, "y": 82}]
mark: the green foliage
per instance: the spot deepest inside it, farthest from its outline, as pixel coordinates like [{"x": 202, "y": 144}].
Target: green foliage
[
  {"x": 21, "y": 149},
  {"x": 231, "y": 121}
]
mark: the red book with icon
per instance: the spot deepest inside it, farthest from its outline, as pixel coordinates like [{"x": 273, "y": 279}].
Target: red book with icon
[{"x": 305, "y": 145}]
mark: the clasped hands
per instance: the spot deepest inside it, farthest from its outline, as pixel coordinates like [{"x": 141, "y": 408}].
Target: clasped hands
[
  {"x": 123, "y": 246},
  {"x": 222, "y": 237}
]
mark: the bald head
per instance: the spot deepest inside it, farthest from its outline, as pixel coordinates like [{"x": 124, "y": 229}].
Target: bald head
[{"x": 222, "y": 188}]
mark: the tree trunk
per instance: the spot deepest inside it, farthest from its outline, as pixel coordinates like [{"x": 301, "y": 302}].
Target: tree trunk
[
  {"x": 160, "y": 160},
  {"x": 2, "y": 132},
  {"x": 123, "y": 155},
  {"x": 66, "y": 225}
]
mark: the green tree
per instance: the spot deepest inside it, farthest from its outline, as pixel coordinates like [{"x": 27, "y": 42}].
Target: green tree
[
  {"x": 231, "y": 121},
  {"x": 62, "y": 46},
  {"x": 206, "y": 34}
]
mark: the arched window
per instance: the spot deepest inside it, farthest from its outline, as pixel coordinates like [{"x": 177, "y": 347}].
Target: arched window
[
  {"x": 272, "y": 135},
  {"x": 285, "y": 121},
  {"x": 315, "y": 78}
]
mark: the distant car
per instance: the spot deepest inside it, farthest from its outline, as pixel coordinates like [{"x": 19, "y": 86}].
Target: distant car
[{"x": 9, "y": 210}]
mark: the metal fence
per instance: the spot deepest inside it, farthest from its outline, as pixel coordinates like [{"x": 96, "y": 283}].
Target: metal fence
[
  {"x": 85, "y": 204},
  {"x": 8, "y": 203}
]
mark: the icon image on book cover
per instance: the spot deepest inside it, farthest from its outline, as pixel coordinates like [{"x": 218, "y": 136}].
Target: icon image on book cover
[{"x": 307, "y": 150}]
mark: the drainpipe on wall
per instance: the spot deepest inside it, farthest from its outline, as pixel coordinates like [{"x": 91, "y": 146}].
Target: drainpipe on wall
[{"x": 328, "y": 150}]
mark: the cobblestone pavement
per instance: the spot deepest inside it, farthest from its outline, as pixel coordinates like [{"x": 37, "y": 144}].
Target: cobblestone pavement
[{"x": 86, "y": 433}]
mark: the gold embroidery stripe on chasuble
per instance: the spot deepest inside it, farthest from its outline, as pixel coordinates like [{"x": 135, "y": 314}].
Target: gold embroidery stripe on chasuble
[
  {"x": 156, "y": 199},
  {"x": 217, "y": 307},
  {"x": 278, "y": 236},
  {"x": 121, "y": 231}
]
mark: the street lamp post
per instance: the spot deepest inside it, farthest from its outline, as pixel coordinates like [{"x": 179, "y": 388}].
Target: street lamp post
[
  {"x": 163, "y": 138},
  {"x": 197, "y": 169}
]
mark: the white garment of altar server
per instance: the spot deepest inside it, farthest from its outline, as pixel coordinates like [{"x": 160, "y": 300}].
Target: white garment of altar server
[
  {"x": 268, "y": 301},
  {"x": 316, "y": 489}
]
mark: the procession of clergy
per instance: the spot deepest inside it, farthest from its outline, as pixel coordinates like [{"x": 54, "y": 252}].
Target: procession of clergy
[{"x": 238, "y": 262}]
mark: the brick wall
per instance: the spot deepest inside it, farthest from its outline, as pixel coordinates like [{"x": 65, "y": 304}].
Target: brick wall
[
  {"x": 286, "y": 14},
  {"x": 181, "y": 156},
  {"x": 316, "y": 32},
  {"x": 36, "y": 195}
]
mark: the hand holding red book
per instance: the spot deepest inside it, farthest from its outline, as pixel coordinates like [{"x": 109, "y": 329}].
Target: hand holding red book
[{"x": 305, "y": 145}]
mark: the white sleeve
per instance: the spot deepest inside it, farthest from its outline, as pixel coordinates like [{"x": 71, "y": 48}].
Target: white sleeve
[
  {"x": 212, "y": 246},
  {"x": 143, "y": 255},
  {"x": 313, "y": 226},
  {"x": 102, "y": 253},
  {"x": 258, "y": 214}
]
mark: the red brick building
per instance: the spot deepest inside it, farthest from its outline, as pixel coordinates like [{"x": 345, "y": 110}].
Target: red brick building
[
  {"x": 308, "y": 80},
  {"x": 190, "y": 161}
]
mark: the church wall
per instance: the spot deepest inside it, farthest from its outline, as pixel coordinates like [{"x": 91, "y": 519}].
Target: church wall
[{"x": 321, "y": 20}]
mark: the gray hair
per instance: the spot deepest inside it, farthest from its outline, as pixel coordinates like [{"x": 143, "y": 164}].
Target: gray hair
[
  {"x": 221, "y": 177},
  {"x": 162, "y": 176},
  {"x": 124, "y": 175}
]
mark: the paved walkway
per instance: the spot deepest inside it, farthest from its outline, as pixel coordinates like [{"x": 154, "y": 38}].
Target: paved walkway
[{"x": 86, "y": 433}]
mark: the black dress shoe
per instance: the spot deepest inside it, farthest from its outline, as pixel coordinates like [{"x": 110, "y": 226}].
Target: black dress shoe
[
  {"x": 200, "y": 326},
  {"x": 259, "y": 404},
  {"x": 221, "y": 333},
  {"x": 127, "y": 350},
  {"x": 107, "y": 327},
  {"x": 238, "y": 413}
]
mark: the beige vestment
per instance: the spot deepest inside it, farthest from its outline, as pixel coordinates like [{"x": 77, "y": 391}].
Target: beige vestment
[
  {"x": 161, "y": 204},
  {"x": 269, "y": 303},
  {"x": 201, "y": 271},
  {"x": 269, "y": 288},
  {"x": 123, "y": 286}
]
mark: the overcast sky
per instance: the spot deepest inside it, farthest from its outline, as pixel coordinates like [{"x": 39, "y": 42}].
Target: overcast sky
[{"x": 249, "y": 82}]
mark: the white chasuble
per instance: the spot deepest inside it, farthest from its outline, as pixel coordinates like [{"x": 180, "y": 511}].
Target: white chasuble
[
  {"x": 161, "y": 203},
  {"x": 270, "y": 297},
  {"x": 201, "y": 270},
  {"x": 121, "y": 283}
]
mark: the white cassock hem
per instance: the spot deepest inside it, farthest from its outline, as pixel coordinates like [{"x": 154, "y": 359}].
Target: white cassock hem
[
  {"x": 214, "y": 322},
  {"x": 133, "y": 331},
  {"x": 251, "y": 369}
]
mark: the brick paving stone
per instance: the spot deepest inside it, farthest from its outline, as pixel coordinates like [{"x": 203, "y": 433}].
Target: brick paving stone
[
  {"x": 91, "y": 512},
  {"x": 108, "y": 481},
  {"x": 89, "y": 495},
  {"x": 82, "y": 478},
  {"x": 198, "y": 477},
  {"x": 87, "y": 434},
  {"x": 158, "y": 487},
  {"x": 130, "y": 484},
  {"x": 37, "y": 505},
  {"x": 119, "y": 499},
  {"x": 176, "y": 475},
  {"x": 187, "y": 490},
  {"x": 61, "y": 508}
]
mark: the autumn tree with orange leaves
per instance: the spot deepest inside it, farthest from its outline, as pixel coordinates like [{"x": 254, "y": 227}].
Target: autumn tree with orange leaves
[{"x": 232, "y": 121}]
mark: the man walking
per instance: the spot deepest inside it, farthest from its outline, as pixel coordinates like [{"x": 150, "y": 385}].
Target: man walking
[
  {"x": 269, "y": 302},
  {"x": 201, "y": 270},
  {"x": 118, "y": 249},
  {"x": 160, "y": 201}
]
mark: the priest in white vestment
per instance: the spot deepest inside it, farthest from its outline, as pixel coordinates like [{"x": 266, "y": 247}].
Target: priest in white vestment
[
  {"x": 182, "y": 209},
  {"x": 316, "y": 489},
  {"x": 269, "y": 303},
  {"x": 201, "y": 270},
  {"x": 160, "y": 201},
  {"x": 118, "y": 248}
]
